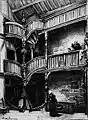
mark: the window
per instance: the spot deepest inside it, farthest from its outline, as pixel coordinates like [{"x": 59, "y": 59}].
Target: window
[{"x": 10, "y": 54}]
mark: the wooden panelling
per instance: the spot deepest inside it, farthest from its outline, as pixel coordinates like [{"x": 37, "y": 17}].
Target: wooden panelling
[
  {"x": 12, "y": 67},
  {"x": 13, "y": 29}
]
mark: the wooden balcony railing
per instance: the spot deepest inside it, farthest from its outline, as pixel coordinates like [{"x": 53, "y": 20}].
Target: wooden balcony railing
[
  {"x": 60, "y": 61},
  {"x": 36, "y": 63},
  {"x": 70, "y": 59},
  {"x": 12, "y": 67},
  {"x": 32, "y": 26},
  {"x": 13, "y": 29}
]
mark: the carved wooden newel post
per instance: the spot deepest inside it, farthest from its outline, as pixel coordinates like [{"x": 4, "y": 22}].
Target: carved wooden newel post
[
  {"x": 24, "y": 51},
  {"x": 31, "y": 48},
  {"x": 46, "y": 74}
]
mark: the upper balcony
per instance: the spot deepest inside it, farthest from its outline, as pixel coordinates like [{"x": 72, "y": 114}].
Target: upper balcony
[
  {"x": 12, "y": 68},
  {"x": 66, "y": 61},
  {"x": 13, "y": 30},
  {"x": 35, "y": 64},
  {"x": 32, "y": 26}
]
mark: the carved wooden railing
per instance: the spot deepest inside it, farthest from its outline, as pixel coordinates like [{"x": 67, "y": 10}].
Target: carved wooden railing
[
  {"x": 13, "y": 29},
  {"x": 66, "y": 60},
  {"x": 12, "y": 67},
  {"x": 35, "y": 64},
  {"x": 67, "y": 17},
  {"x": 55, "y": 62},
  {"x": 32, "y": 26}
]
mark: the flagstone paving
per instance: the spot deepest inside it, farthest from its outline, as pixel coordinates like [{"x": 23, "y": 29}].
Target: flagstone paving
[{"x": 41, "y": 115}]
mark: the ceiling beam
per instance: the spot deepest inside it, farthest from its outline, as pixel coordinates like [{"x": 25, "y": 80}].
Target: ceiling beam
[
  {"x": 43, "y": 4},
  {"x": 22, "y": 2},
  {"x": 53, "y": 4},
  {"x": 61, "y": 10},
  {"x": 40, "y": 7},
  {"x": 58, "y": 3},
  {"x": 25, "y": 6},
  {"x": 35, "y": 9},
  {"x": 49, "y": 5}
]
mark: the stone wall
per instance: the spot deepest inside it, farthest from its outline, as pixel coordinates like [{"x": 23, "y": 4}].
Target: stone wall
[{"x": 66, "y": 85}]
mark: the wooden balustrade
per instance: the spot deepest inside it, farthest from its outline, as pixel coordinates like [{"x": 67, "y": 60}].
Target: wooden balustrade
[
  {"x": 35, "y": 25},
  {"x": 65, "y": 60},
  {"x": 36, "y": 63},
  {"x": 68, "y": 16},
  {"x": 13, "y": 29},
  {"x": 12, "y": 67},
  {"x": 70, "y": 59}
]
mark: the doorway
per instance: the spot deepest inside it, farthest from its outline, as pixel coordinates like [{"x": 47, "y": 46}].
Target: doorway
[
  {"x": 13, "y": 90},
  {"x": 35, "y": 89}
]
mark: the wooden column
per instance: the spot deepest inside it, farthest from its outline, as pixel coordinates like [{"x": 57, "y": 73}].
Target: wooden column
[
  {"x": 2, "y": 58},
  {"x": 24, "y": 51},
  {"x": 32, "y": 56},
  {"x": 46, "y": 35},
  {"x": 46, "y": 74}
]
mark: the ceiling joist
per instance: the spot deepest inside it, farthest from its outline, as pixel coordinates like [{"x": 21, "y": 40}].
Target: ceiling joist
[
  {"x": 40, "y": 7},
  {"x": 58, "y": 3},
  {"x": 36, "y": 9},
  {"x": 27, "y": 5},
  {"x": 49, "y": 5},
  {"x": 44, "y": 9},
  {"x": 65, "y": 8},
  {"x": 53, "y": 3},
  {"x": 44, "y": 6}
]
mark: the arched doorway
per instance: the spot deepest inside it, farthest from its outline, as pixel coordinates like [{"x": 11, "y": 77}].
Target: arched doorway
[
  {"x": 35, "y": 89},
  {"x": 13, "y": 90}
]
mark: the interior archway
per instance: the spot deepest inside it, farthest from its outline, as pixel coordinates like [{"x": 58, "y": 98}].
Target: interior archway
[{"x": 35, "y": 89}]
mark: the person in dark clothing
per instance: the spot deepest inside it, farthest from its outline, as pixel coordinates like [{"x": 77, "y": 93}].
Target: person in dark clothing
[{"x": 52, "y": 105}]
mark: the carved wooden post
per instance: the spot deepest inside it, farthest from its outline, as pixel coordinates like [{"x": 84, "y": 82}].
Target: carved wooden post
[
  {"x": 24, "y": 51},
  {"x": 31, "y": 48},
  {"x": 46, "y": 74},
  {"x": 46, "y": 35},
  {"x": 2, "y": 58}
]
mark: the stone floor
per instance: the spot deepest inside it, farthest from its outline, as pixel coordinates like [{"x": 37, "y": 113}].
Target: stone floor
[{"x": 41, "y": 115}]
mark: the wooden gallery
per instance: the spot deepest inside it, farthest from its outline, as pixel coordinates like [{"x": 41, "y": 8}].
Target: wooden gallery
[{"x": 44, "y": 50}]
